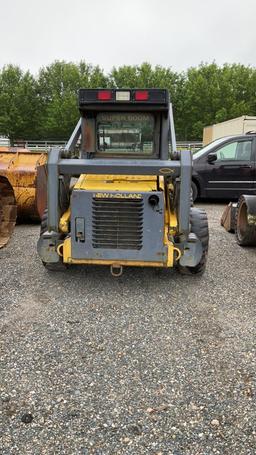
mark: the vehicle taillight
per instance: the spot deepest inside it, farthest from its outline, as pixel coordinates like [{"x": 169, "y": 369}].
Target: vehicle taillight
[
  {"x": 141, "y": 95},
  {"x": 104, "y": 95}
]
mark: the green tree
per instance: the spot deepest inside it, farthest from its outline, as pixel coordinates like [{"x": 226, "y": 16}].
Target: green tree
[
  {"x": 18, "y": 103},
  {"x": 238, "y": 90},
  {"x": 146, "y": 76},
  {"x": 45, "y": 107},
  {"x": 214, "y": 94},
  {"x": 58, "y": 86}
]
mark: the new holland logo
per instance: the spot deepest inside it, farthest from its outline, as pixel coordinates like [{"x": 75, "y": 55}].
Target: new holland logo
[{"x": 117, "y": 195}]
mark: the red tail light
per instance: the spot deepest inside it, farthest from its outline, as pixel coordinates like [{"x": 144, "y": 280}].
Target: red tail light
[
  {"x": 141, "y": 95},
  {"x": 104, "y": 95}
]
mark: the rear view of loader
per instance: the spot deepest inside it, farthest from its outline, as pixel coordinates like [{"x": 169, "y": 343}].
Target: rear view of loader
[{"x": 130, "y": 204}]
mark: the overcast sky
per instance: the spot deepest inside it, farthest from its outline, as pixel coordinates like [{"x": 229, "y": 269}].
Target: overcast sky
[{"x": 175, "y": 33}]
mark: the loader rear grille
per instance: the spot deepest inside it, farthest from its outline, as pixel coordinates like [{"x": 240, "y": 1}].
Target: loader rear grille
[{"x": 117, "y": 224}]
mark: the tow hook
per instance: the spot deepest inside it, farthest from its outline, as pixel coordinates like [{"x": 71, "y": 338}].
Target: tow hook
[{"x": 116, "y": 270}]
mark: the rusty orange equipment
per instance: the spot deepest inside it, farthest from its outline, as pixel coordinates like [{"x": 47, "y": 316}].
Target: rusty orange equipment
[
  {"x": 26, "y": 173},
  {"x": 8, "y": 211}
]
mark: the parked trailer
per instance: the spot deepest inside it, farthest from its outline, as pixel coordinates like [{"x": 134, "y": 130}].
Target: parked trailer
[{"x": 238, "y": 125}]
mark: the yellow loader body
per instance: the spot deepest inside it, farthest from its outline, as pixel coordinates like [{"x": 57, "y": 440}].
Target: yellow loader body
[{"x": 121, "y": 187}]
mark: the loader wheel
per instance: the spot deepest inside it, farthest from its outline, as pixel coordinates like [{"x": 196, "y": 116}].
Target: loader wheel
[
  {"x": 43, "y": 227},
  {"x": 194, "y": 191},
  {"x": 199, "y": 226},
  {"x": 52, "y": 266},
  {"x": 245, "y": 232}
]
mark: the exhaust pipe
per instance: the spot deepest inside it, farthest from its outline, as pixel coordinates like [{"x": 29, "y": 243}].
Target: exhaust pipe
[{"x": 116, "y": 270}]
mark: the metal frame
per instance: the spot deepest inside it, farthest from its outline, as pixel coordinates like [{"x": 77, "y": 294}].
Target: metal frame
[
  {"x": 172, "y": 129},
  {"x": 118, "y": 166},
  {"x": 71, "y": 144},
  {"x": 53, "y": 189},
  {"x": 59, "y": 165}
]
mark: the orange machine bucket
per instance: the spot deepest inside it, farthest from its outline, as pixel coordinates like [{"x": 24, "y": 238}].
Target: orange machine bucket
[
  {"x": 26, "y": 172},
  {"x": 8, "y": 211}
]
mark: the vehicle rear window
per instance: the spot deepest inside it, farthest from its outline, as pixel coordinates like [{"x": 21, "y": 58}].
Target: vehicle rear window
[{"x": 125, "y": 133}]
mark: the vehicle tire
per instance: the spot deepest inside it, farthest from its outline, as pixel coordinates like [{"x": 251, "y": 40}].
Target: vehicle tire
[
  {"x": 199, "y": 226},
  {"x": 43, "y": 227},
  {"x": 245, "y": 233},
  {"x": 52, "y": 266},
  {"x": 194, "y": 190}
]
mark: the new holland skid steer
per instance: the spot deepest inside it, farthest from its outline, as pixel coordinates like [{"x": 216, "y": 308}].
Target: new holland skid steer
[{"x": 126, "y": 201}]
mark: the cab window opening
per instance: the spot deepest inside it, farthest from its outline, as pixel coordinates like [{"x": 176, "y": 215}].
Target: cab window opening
[{"x": 125, "y": 133}]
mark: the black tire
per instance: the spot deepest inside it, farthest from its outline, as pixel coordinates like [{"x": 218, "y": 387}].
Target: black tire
[
  {"x": 199, "y": 226},
  {"x": 52, "y": 266},
  {"x": 194, "y": 191},
  {"x": 43, "y": 227},
  {"x": 245, "y": 233}
]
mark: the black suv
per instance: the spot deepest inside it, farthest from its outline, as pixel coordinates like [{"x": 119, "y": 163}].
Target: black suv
[{"x": 226, "y": 168}]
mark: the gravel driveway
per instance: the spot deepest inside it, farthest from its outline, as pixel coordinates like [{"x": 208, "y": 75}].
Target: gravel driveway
[{"x": 149, "y": 363}]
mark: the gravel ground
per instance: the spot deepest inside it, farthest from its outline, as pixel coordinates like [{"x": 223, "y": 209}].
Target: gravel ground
[{"x": 149, "y": 363}]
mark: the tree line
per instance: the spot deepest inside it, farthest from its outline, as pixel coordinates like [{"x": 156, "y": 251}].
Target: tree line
[{"x": 44, "y": 107}]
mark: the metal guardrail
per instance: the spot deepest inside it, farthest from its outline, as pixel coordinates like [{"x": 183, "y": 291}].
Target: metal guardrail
[
  {"x": 4, "y": 142},
  {"x": 46, "y": 145},
  {"x": 32, "y": 145},
  {"x": 193, "y": 146},
  {"x": 42, "y": 145}
]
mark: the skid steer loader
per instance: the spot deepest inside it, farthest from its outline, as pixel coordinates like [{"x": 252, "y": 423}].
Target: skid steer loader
[{"x": 126, "y": 201}]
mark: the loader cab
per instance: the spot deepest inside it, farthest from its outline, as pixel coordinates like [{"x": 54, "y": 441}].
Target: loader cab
[{"x": 129, "y": 124}]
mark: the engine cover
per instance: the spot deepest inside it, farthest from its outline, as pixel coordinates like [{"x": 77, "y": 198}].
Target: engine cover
[{"x": 114, "y": 225}]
